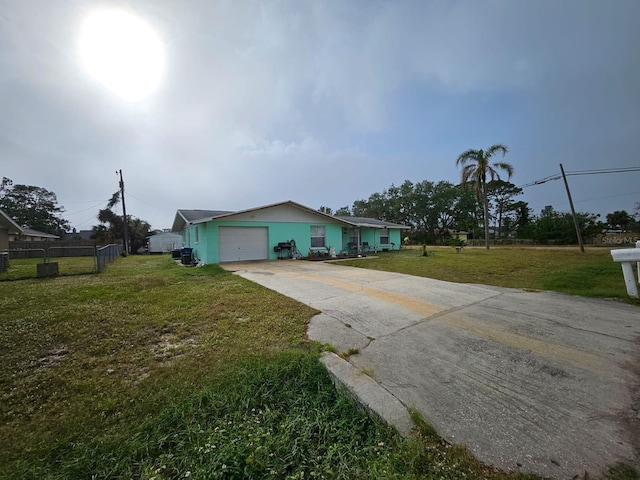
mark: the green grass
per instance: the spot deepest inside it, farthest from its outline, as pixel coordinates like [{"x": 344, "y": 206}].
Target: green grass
[
  {"x": 23, "y": 268},
  {"x": 277, "y": 418},
  {"x": 564, "y": 270},
  {"x": 84, "y": 355},
  {"x": 151, "y": 370}
]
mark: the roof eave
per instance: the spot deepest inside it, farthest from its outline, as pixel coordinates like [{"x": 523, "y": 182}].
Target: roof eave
[
  {"x": 17, "y": 228},
  {"x": 263, "y": 207}
]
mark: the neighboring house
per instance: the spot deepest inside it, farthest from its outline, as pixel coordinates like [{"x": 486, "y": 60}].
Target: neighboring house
[
  {"x": 255, "y": 234},
  {"x": 79, "y": 235},
  {"x": 459, "y": 234},
  {"x": 8, "y": 229},
  {"x": 164, "y": 242},
  {"x": 31, "y": 235}
]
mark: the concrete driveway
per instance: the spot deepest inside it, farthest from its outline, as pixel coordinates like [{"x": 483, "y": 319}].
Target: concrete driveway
[{"x": 530, "y": 381}]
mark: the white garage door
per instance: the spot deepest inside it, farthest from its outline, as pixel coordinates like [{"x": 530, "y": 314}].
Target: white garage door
[{"x": 243, "y": 243}]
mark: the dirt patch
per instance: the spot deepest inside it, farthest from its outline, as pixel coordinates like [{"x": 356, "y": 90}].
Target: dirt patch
[
  {"x": 170, "y": 348},
  {"x": 54, "y": 356}
]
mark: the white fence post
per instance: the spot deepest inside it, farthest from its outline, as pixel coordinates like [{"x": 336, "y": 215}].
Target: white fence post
[{"x": 638, "y": 246}]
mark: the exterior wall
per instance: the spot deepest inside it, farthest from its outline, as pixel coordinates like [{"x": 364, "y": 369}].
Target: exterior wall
[
  {"x": 195, "y": 236},
  {"x": 333, "y": 238},
  {"x": 4, "y": 239},
  {"x": 372, "y": 237},
  {"x": 278, "y": 214},
  {"x": 164, "y": 242},
  {"x": 188, "y": 238},
  {"x": 207, "y": 248},
  {"x": 460, "y": 235},
  {"x": 284, "y": 223},
  {"x": 395, "y": 237}
]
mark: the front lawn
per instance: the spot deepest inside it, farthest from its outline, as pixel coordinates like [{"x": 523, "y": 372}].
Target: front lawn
[
  {"x": 91, "y": 356},
  {"x": 564, "y": 270},
  {"x": 151, "y": 370}
]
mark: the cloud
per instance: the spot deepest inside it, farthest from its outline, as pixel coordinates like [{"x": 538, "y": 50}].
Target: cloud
[{"x": 319, "y": 102}]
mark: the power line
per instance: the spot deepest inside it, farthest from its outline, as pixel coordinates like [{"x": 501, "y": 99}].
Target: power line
[
  {"x": 85, "y": 221},
  {"x": 101, "y": 202},
  {"x": 541, "y": 181},
  {"x": 606, "y": 170},
  {"x": 144, "y": 201},
  {"x": 608, "y": 196},
  {"x": 581, "y": 172}
]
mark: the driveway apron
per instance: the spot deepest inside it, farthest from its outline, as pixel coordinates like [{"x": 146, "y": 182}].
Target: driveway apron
[{"x": 536, "y": 382}]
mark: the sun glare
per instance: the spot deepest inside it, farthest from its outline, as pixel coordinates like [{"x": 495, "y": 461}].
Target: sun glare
[{"x": 123, "y": 53}]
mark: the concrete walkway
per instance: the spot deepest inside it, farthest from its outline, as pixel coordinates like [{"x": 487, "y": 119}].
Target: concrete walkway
[{"x": 530, "y": 381}]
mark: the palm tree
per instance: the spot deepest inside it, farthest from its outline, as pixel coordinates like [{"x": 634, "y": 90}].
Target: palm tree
[{"x": 476, "y": 168}]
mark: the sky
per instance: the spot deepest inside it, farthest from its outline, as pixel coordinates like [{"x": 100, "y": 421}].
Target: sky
[{"x": 323, "y": 102}]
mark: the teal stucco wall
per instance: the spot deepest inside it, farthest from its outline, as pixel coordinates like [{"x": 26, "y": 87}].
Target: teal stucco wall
[
  {"x": 207, "y": 249},
  {"x": 195, "y": 236},
  {"x": 204, "y": 237},
  {"x": 371, "y": 236}
]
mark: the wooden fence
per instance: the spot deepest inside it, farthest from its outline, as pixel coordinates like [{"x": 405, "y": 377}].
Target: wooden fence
[{"x": 53, "y": 249}]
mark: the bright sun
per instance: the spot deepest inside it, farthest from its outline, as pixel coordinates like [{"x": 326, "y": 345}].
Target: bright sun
[{"x": 123, "y": 53}]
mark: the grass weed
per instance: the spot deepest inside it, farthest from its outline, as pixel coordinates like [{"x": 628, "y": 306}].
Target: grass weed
[{"x": 347, "y": 353}]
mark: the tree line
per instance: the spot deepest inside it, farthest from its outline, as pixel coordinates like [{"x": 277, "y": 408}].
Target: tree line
[
  {"x": 482, "y": 204},
  {"x": 435, "y": 210},
  {"x": 37, "y": 208}
]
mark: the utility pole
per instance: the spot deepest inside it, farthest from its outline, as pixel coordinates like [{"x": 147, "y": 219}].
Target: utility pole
[
  {"x": 124, "y": 214},
  {"x": 573, "y": 211}
]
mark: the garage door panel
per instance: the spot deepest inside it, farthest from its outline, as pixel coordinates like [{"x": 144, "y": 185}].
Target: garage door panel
[{"x": 237, "y": 244}]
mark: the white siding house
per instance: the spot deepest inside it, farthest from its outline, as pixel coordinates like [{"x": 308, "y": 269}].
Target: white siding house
[{"x": 164, "y": 242}]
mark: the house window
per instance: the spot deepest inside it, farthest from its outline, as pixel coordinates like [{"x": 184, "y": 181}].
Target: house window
[
  {"x": 384, "y": 236},
  {"x": 353, "y": 236},
  {"x": 197, "y": 235},
  {"x": 318, "y": 236}
]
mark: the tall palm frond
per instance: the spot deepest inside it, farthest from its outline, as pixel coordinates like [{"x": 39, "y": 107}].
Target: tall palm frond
[{"x": 477, "y": 167}]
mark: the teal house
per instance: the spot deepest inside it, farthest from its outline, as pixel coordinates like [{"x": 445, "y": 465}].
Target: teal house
[{"x": 281, "y": 230}]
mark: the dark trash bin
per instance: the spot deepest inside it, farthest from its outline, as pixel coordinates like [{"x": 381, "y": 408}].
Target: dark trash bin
[
  {"x": 176, "y": 253},
  {"x": 186, "y": 256}
]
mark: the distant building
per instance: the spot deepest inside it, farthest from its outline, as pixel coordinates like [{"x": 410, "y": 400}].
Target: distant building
[
  {"x": 460, "y": 234},
  {"x": 8, "y": 229},
  {"x": 31, "y": 235},
  {"x": 79, "y": 235},
  {"x": 164, "y": 242}
]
